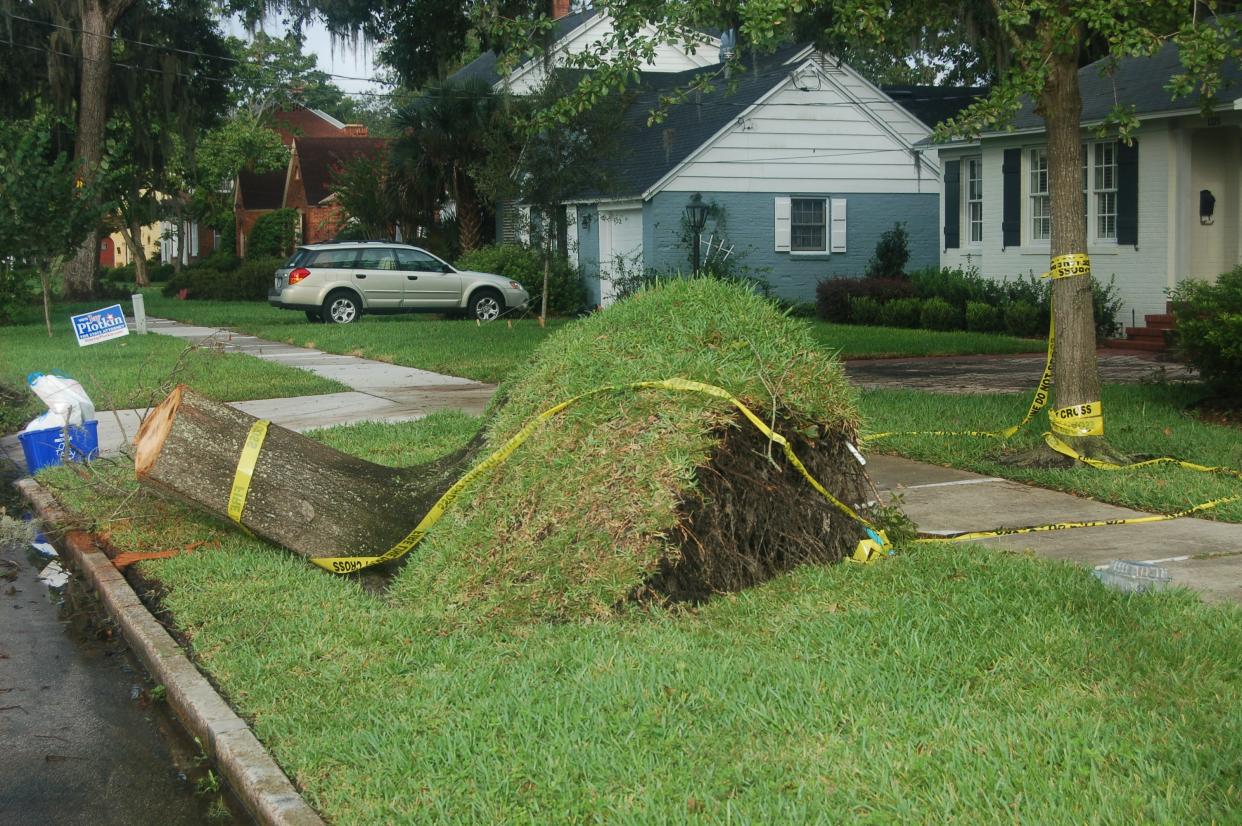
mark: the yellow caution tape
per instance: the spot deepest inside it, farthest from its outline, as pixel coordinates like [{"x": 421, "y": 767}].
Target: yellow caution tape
[
  {"x": 1069, "y": 266},
  {"x": 1038, "y": 401},
  {"x": 1099, "y": 464},
  {"x": 1094, "y": 523},
  {"x": 349, "y": 564},
  {"x": 1085, "y": 419},
  {"x": 245, "y": 469}
]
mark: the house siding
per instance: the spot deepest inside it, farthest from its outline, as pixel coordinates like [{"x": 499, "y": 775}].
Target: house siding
[
  {"x": 819, "y": 130},
  {"x": 748, "y": 225},
  {"x": 1142, "y": 273}
]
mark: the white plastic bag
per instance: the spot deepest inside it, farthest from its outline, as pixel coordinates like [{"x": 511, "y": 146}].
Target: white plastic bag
[{"x": 67, "y": 403}]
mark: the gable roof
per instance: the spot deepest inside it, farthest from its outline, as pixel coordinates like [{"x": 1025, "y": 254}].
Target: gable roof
[
  {"x": 318, "y": 157},
  {"x": 261, "y": 190},
  {"x": 483, "y": 67},
  {"x": 1137, "y": 81},
  {"x": 650, "y": 152},
  {"x": 934, "y": 104}
]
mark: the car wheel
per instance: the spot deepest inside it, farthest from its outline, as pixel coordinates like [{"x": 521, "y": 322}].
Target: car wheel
[
  {"x": 486, "y": 305},
  {"x": 314, "y": 316},
  {"x": 341, "y": 308}
]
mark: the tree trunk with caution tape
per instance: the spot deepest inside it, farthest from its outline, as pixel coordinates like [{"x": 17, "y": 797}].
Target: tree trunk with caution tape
[
  {"x": 1076, "y": 373},
  {"x": 302, "y": 495}
]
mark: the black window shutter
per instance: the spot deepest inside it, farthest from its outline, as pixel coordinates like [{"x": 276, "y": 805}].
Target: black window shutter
[
  {"x": 1127, "y": 194},
  {"x": 1011, "y": 199},
  {"x": 952, "y": 204}
]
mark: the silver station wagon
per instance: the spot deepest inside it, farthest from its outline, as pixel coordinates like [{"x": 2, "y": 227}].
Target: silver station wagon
[{"x": 338, "y": 282}]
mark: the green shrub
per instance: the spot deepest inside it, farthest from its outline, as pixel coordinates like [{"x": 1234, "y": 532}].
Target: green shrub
[
  {"x": 797, "y": 309},
  {"x": 1106, "y": 304},
  {"x": 273, "y": 235},
  {"x": 1209, "y": 330},
  {"x": 221, "y": 261},
  {"x": 1022, "y": 318},
  {"x": 834, "y": 296},
  {"x": 249, "y": 282},
  {"x": 159, "y": 273},
  {"x": 17, "y": 290},
  {"x": 938, "y": 314},
  {"x": 866, "y": 310},
  {"x": 892, "y": 252},
  {"x": 525, "y": 265},
  {"x": 957, "y": 286},
  {"x": 984, "y": 318},
  {"x": 119, "y": 275},
  {"x": 901, "y": 312}
]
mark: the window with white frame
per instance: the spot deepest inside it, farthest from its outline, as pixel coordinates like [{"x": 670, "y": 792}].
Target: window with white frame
[
  {"x": 1104, "y": 159},
  {"x": 1041, "y": 212},
  {"x": 1099, "y": 192},
  {"x": 974, "y": 200},
  {"x": 808, "y": 225}
]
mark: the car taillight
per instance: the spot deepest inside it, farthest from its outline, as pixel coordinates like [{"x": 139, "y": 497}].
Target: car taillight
[{"x": 297, "y": 275}]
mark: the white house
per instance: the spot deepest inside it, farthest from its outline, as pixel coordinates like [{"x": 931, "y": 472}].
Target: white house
[{"x": 1161, "y": 209}]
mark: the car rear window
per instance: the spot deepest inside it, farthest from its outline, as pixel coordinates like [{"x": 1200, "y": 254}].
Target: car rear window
[
  {"x": 332, "y": 259},
  {"x": 300, "y": 256}
]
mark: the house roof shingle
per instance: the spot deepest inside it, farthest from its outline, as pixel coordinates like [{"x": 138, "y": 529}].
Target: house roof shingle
[
  {"x": 262, "y": 190},
  {"x": 318, "y": 157},
  {"x": 483, "y": 67},
  {"x": 934, "y": 104},
  {"x": 1137, "y": 81}
]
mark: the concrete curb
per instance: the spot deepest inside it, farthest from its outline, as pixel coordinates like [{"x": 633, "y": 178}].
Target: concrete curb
[{"x": 254, "y": 776}]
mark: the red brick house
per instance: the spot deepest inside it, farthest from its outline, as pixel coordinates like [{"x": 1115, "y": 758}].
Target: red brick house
[
  {"x": 325, "y": 142},
  {"x": 312, "y": 164}
]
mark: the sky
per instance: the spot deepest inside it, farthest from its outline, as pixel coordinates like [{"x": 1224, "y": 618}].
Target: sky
[{"x": 341, "y": 59}]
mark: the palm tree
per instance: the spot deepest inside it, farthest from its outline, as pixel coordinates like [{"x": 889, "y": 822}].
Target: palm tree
[{"x": 443, "y": 139}]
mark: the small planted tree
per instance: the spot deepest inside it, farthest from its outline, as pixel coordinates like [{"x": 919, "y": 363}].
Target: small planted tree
[
  {"x": 891, "y": 254},
  {"x": 46, "y": 208}
]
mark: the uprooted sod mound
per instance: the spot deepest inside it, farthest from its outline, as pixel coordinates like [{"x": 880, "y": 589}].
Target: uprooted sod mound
[{"x": 650, "y": 494}]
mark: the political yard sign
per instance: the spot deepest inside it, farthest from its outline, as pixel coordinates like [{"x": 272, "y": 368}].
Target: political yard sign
[{"x": 99, "y": 325}]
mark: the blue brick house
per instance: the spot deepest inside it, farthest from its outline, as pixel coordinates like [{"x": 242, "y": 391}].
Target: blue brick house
[{"x": 803, "y": 162}]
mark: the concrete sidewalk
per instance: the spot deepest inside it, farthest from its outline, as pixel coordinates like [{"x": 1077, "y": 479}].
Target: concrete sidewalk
[
  {"x": 380, "y": 392},
  {"x": 1203, "y": 555}
]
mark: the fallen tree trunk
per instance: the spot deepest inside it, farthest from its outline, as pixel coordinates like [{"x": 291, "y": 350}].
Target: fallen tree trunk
[{"x": 303, "y": 495}]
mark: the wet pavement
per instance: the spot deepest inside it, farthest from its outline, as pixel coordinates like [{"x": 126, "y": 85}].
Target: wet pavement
[
  {"x": 1000, "y": 374},
  {"x": 83, "y": 736}
]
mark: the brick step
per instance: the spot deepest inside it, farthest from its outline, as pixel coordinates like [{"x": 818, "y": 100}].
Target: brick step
[
  {"x": 1135, "y": 344},
  {"x": 1164, "y": 321},
  {"x": 1145, "y": 332}
]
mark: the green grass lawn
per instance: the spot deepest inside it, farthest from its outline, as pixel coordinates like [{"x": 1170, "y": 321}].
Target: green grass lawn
[
  {"x": 134, "y": 371},
  {"x": 490, "y": 352},
  {"x": 1142, "y": 420},
  {"x": 944, "y": 684},
  {"x": 893, "y": 342}
]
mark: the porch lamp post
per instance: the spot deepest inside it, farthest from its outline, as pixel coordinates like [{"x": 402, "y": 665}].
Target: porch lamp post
[{"x": 696, "y": 217}]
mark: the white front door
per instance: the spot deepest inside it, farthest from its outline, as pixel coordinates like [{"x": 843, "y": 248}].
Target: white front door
[{"x": 620, "y": 249}]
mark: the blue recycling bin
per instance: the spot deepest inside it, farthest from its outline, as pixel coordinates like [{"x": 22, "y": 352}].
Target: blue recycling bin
[{"x": 48, "y": 447}]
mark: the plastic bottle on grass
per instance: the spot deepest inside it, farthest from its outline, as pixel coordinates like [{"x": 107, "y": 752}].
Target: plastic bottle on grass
[{"x": 1134, "y": 577}]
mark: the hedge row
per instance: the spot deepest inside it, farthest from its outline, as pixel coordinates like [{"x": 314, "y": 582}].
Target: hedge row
[
  {"x": 225, "y": 278},
  {"x": 955, "y": 299}
]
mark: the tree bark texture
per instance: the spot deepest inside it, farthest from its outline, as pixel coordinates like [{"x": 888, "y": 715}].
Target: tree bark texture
[
  {"x": 98, "y": 20},
  {"x": 303, "y": 495},
  {"x": 132, "y": 235},
  {"x": 1075, "y": 368}
]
